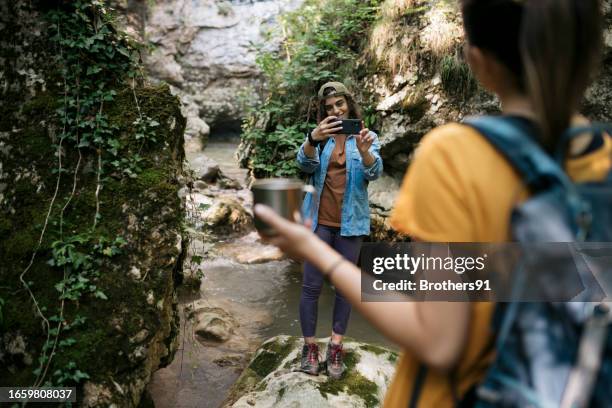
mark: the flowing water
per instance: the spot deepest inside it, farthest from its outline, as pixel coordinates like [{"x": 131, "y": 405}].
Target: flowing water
[{"x": 263, "y": 298}]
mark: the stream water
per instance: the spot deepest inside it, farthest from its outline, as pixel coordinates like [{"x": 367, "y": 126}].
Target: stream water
[{"x": 263, "y": 298}]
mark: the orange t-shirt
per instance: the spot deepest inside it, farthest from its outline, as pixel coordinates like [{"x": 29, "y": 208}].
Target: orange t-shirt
[{"x": 459, "y": 188}]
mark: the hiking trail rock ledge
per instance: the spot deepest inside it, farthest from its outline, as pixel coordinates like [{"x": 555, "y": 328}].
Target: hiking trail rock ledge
[{"x": 272, "y": 377}]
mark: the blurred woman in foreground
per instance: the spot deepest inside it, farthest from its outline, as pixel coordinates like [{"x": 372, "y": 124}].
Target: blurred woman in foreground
[{"x": 538, "y": 57}]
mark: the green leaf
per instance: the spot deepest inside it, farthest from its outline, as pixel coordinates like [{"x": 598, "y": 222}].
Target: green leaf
[
  {"x": 100, "y": 295},
  {"x": 93, "y": 69}
]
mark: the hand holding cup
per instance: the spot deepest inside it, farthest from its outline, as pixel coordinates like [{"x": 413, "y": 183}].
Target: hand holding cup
[{"x": 283, "y": 196}]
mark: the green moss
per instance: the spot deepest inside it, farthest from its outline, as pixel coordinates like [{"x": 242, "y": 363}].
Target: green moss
[
  {"x": 88, "y": 339},
  {"x": 373, "y": 349},
  {"x": 245, "y": 383},
  {"x": 152, "y": 177},
  {"x": 42, "y": 104},
  {"x": 270, "y": 357},
  {"x": 264, "y": 363},
  {"x": 352, "y": 383}
]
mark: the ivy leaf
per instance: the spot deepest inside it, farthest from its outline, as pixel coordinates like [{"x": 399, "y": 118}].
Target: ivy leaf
[
  {"x": 100, "y": 295},
  {"x": 94, "y": 69},
  {"x": 60, "y": 286},
  {"x": 67, "y": 342},
  {"x": 123, "y": 51},
  {"x": 79, "y": 375}
]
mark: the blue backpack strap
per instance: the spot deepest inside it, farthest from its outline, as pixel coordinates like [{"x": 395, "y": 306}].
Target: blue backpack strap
[
  {"x": 596, "y": 128},
  {"x": 512, "y": 139}
]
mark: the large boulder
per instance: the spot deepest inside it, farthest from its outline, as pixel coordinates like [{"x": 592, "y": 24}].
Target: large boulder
[
  {"x": 106, "y": 330},
  {"x": 212, "y": 323},
  {"x": 222, "y": 215},
  {"x": 272, "y": 378}
]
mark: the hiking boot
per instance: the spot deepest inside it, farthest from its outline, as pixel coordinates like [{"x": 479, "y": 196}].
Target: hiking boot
[
  {"x": 333, "y": 359},
  {"x": 310, "y": 359}
]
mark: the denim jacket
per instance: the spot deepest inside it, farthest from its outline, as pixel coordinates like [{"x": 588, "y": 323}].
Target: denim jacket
[{"x": 355, "y": 215}]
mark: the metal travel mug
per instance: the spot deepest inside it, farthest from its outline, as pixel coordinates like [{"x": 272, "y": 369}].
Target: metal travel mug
[{"x": 283, "y": 195}]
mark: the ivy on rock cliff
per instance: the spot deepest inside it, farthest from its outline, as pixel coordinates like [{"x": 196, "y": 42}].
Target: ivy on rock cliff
[{"x": 96, "y": 147}]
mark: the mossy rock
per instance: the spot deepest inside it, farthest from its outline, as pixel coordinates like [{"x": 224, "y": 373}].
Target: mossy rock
[
  {"x": 145, "y": 210},
  {"x": 273, "y": 377}
]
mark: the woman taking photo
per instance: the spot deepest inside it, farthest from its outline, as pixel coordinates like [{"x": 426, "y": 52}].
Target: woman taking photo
[
  {"x": 538, "y": 57},
  {"x": 341, "y": 166}
]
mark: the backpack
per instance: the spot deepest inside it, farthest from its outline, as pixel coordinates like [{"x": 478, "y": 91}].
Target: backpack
[{"x": 550, "y": 354}]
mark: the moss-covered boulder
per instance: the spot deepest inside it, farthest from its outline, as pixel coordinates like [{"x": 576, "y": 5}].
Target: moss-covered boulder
[
  {"x": 272, "y": 377},
  {"x": 91, "y": 240}
]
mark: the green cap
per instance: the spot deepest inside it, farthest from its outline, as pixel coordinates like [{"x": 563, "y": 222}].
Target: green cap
[{"x": 339, "y": 89}]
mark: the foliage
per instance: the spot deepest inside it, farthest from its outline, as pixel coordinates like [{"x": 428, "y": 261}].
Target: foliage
[
  {"x": 322, "y": 42},
  {"x": 93, "y": 56},
  {"x": 457, "y": 79},
  {"x": 81, "y": 257}
]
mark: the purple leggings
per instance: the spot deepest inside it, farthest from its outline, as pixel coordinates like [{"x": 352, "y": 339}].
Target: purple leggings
[{"x": 313, "y": 281}]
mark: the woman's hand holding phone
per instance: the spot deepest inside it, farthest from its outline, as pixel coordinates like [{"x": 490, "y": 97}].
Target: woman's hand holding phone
[
  {"x": 328, "y": 126},
  {"x": 364, "y": 140}
]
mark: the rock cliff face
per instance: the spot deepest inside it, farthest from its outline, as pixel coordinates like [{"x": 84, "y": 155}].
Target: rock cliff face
[
  {"x": 424, "y": 83},
  {"x": 123, "y": 325},
  {"x": 206, "y": 51}
]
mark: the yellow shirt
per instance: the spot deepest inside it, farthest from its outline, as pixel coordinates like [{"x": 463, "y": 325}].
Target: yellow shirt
[{"x": 460, "y": 189}]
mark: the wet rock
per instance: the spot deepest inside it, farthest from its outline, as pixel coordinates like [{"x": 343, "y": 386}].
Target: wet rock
[
  {"x": 196, "y": 127},
  {"x": 228, "y": 361},
  {"x": 208, "y": 172},
  {"x": 260, "y": 255},
  {"x": 200, "y": 185},
  {"x": 383, "y": 191},
  {"x": 214, "y": 324},
  {"x": 271, "y": 378},
  {"x": 249, "y": 249},
  {"x": 226, "y": 182},
  {"x": 205, "y": 168},
  {"x": 227, "y": 215}
]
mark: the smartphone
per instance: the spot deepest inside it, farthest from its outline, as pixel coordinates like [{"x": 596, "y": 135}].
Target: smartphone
[{"x": 350, "y": 127}]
